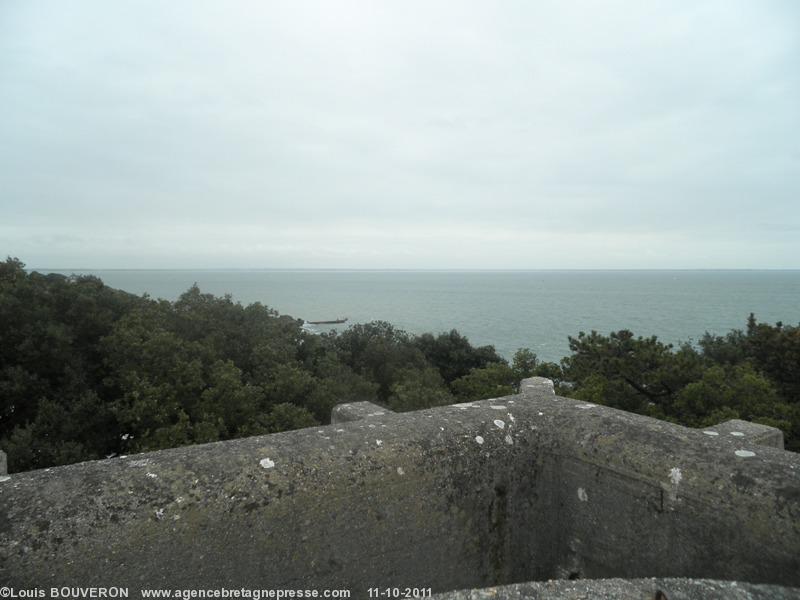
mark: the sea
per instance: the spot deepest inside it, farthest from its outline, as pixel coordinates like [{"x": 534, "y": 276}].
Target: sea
[{"x": 507, "y": 309}]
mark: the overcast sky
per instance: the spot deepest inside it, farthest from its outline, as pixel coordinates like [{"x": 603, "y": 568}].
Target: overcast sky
[{"x": 403, "y": 134}]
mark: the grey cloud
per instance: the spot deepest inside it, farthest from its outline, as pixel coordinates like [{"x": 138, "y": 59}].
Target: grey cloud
[{"x": 328, "y": 127}]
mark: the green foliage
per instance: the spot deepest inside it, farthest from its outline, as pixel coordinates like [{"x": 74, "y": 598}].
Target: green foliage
[
  {"x": 736, "y": 388},
  {"x": 729, "y": 349},
  {"x": 498, "y": 379},
  {"x": 751, "y": 375},
  {"x": 523, "y": 364},
  {"x": 550, "y": 370},
  {"x": 87, "y": 371},
  {"x": 286, "y": 416},
  {"x": 453, "y": 355},
  {"x": 775, "y": 351},
  {"x": 419, "y": 388},
  {"x": 380, "y": 353},
  {"x": 337, "y": 383},
  {"x": 643, "y": 373}
]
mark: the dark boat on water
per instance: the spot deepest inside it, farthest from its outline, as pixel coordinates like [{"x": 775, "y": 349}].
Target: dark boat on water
[{"x": 334, "y": 322}]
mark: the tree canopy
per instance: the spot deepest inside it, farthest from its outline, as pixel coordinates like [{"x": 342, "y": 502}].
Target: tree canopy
[{"x": 752, "y": 375}]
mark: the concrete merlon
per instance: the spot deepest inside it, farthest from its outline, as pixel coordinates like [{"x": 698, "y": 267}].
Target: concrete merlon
[
  {"x": 745, "y": 431},
  {"x": 355, "y": 411},
  {"x": 537, "y": 386}
]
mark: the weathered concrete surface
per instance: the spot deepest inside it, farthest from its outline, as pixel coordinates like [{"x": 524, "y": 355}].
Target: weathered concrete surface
[
  {"x": 744, "y": 431},
  {"x": 355, "y": 411},
  {"x": 538, "y": 386},
  {"x": 640, "y": 497},
  {"x": 627, "y": 589},
  {"x": 387, "y": 501},
  {"x": 3, "y": 463},
  {"x": 522, "y": 488}
]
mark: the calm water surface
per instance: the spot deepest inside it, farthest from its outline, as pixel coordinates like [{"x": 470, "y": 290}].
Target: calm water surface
[{"x": 509, "y": 309}]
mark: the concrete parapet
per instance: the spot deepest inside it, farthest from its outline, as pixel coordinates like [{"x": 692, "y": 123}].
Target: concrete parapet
[
  {"x": 739, "y": 431},
  {"x": 355, "y": 411},
  {"x": 521, "y": 488}
]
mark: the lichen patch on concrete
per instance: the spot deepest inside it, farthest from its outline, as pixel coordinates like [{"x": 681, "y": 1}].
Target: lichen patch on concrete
[{"x": 675, "y": 475}]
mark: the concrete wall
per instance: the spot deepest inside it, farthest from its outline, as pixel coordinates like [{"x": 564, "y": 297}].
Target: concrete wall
[{"x": 526, "y": 487}]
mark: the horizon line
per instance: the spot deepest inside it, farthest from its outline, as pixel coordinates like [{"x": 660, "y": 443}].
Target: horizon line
[{"x": 419, "y": 270}]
